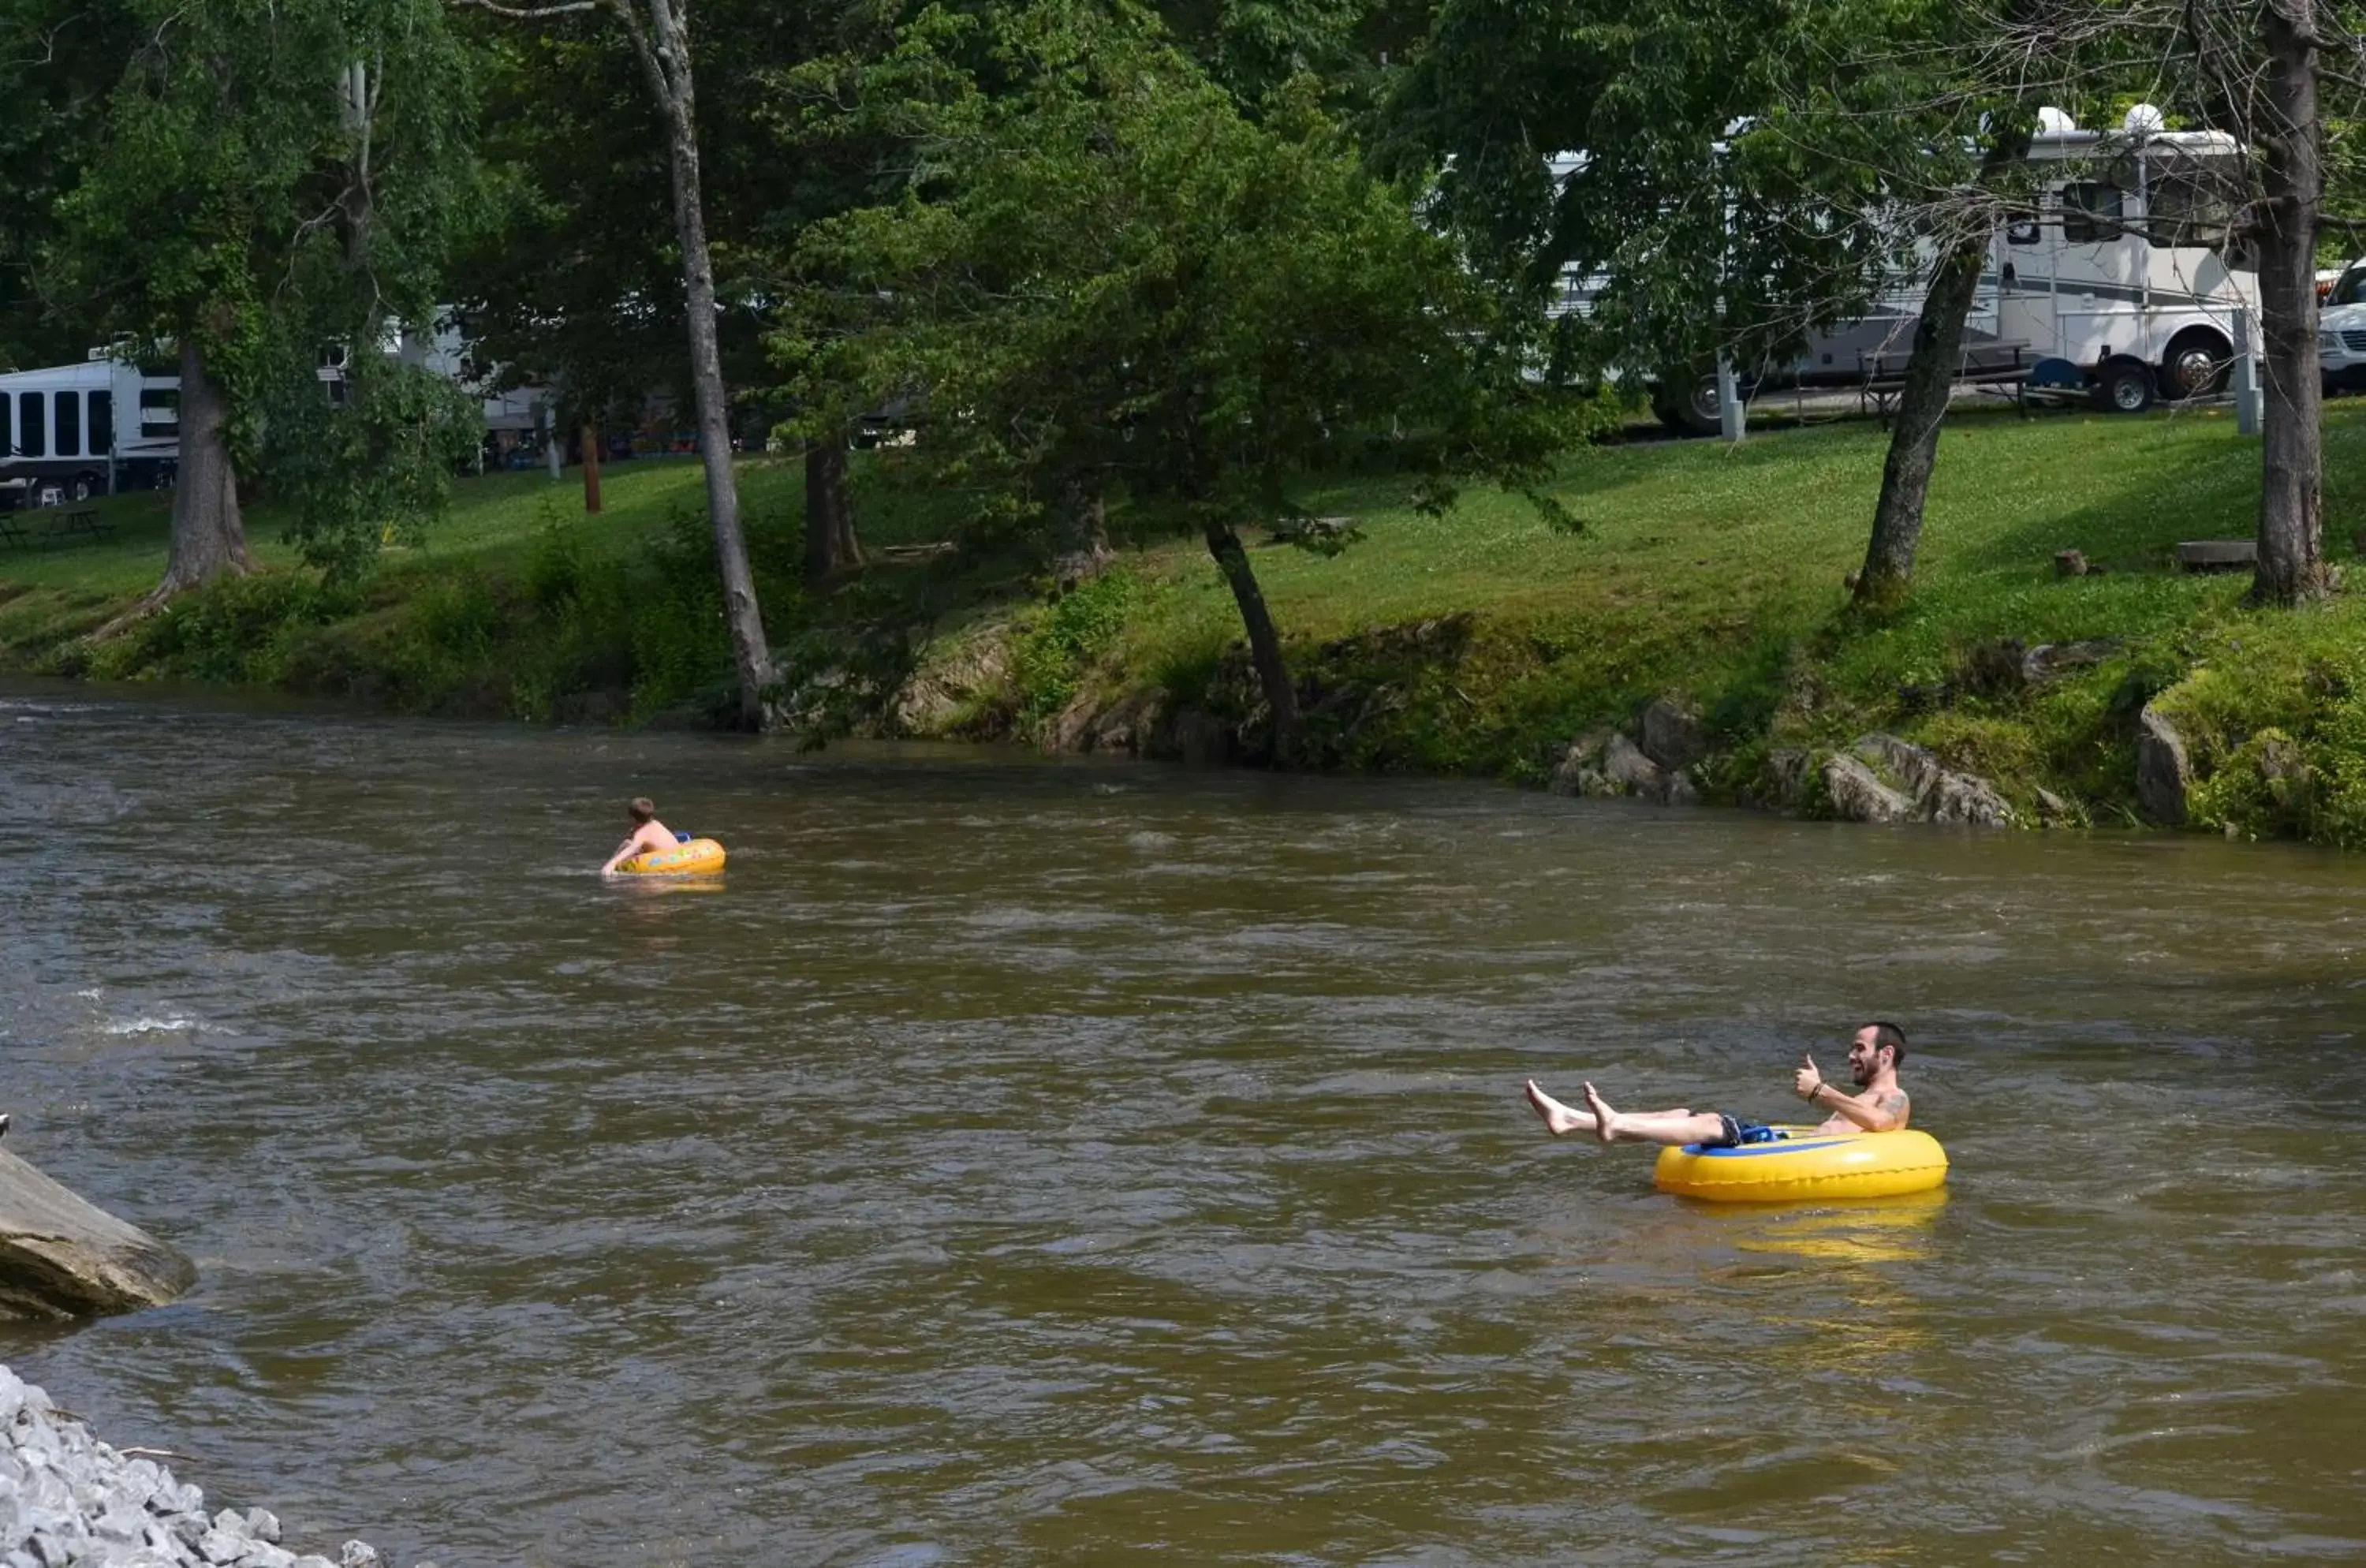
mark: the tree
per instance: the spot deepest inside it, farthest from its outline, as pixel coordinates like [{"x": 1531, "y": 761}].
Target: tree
[
  {"x": 1734, "y": 177},
  {"x": 62, "y": 59},
  {"x": 267, "y": 179},
  {"x": 1104, "y": 279},
  {"x": 566, "y": 293},
  {"x": 659, "y": 36}
]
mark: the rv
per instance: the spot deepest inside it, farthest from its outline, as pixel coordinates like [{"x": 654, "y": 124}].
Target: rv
[
  {"x": 78, "y": 431},
  {"x": 2121, "y": 282},
  {"x": 64, "y": 438}
]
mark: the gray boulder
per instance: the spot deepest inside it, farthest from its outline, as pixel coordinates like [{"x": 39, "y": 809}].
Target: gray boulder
[
  {"x": 1937, "y": 793},
  {"x": 1629, "y": 772},
  {"x": 1603, "y": 763},
  {"x": 1671, "y": 734},
  {"x": 1859, "y": 795},
  {"x": 1579, "y": 769},
  {"x": 2163, "y": 774}
]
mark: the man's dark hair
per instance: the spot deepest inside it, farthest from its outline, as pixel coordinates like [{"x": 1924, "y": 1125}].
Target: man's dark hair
[
  {"x": 1890, "y": 1035},
  {"x": 643, "y": 809}
]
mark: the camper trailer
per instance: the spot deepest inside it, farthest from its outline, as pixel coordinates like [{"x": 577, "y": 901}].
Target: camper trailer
[
  {"x": 76, "y": 431},
  {"x": 2121, "y": 282}
]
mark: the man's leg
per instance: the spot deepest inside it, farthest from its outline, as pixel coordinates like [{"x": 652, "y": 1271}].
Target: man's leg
[
  {"x": 1650, "y": 1127},
  {"x": 1561, "y": 1121}
]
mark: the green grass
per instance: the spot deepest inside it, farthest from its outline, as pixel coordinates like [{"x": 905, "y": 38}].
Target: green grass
[{"x": 1477, "y": 642}]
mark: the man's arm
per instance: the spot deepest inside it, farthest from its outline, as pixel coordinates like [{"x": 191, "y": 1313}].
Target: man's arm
[{"x": 1883, "y": 1113}]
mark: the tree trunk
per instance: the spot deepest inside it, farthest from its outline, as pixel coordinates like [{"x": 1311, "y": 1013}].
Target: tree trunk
[
  {"x": 665, "y": 56},
  {"x": 1265, "y": 642},
  {"x": 2290, "y": 540},
  {"x": 831, "y": 547},
  {"x": 209, "y": 537},
  {"x": 1888, "y": 572},
  {"x": 1080, "y": 546},
  {"x": 62, "y": 1257}
]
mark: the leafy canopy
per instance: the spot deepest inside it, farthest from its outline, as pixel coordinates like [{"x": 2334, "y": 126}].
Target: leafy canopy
[{"x": 1102, "y": 274}]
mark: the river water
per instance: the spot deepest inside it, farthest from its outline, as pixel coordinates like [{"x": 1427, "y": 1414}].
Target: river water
[{"x": 1017, "y": 1160}]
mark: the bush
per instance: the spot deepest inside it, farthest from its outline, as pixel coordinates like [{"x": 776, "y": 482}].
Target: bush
[{"x": 1052, "y": 657}]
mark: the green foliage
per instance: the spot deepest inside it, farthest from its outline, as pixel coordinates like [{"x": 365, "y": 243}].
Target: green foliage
[
  {"x": 2275, "y": 729},
  {"x": 1104, "y": 277},
  {"x": 1052, "y": 655},
  {"x": 239, "y": 631},
  {"x": 371, "y": 471}
]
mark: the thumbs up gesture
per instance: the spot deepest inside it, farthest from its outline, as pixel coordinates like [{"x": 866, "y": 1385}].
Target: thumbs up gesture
[{"x": 1804, "y": 1081}]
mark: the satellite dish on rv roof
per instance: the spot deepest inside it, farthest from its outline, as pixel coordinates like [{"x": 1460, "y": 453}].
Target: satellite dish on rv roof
[
  {"x": 2052, "y": 121},
  {"x": 2142, "y": 118}
]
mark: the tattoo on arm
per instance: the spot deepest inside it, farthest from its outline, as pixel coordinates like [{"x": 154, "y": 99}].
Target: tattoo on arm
[{"x": 1893, "y": 1103}]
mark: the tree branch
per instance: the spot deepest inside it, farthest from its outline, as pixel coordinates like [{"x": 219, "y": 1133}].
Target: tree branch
[{"x": 527, "y": 13}]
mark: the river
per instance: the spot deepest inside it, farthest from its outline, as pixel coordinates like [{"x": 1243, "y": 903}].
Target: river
[{"x": 1024, "y": 1160}]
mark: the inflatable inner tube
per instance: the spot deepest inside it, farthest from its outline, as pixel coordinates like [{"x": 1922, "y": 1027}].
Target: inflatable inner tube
[
  {"x": 692, "y": 857},
  {"x": 1805, "y": 1165}
]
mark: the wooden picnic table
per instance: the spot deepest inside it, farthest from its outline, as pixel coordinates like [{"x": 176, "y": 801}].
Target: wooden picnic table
[{"x": 46, "y": 525}]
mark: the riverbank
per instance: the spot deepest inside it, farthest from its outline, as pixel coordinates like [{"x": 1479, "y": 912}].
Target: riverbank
[
  {"x": 1482, "y": 643},
  {"x": 73, "y": 1499}
]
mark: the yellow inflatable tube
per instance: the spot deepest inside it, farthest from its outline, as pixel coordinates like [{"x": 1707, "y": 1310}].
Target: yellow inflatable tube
[
  {"x": 693, "y": 857},
  {"x": 1806, "y": 1164}
]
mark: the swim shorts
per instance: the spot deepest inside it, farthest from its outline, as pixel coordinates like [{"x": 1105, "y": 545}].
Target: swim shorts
[{"x": 1740, "y": 1133}]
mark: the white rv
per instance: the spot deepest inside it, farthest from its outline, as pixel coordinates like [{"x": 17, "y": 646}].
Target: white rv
[
  {"x": 2122, "y": 282},
  {"x": 76, "y": 431}
]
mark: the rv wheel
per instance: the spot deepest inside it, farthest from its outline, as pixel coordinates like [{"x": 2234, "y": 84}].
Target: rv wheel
[
  {"x": 1688, "y": 404},
  {"x": 2125, "y": 386},
  {"x": 82, "y": 487},
  {"x": 2195, "y": 364}
]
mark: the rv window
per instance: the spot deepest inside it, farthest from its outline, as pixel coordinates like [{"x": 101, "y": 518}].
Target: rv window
[
  {"x": 8, "y": 429},
  {"x": 32, "y": 428},
  {"x": 102, "y": 423},
  {"x": 2020, "y": 228},
  {"x": 2191, "y": 206},
  {"x": 160, "y": 409},
  {"x": 69, "y": 424},
  {"x": 2090, "y": 213}
]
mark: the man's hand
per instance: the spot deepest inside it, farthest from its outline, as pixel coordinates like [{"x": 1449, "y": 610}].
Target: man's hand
[{"x": 1804, "y": 1081}]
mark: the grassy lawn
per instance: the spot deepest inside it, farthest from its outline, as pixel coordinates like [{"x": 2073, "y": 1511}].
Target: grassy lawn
[
  {"x": 1712, "y": 572},
  {"x": 494, "y": 524}
]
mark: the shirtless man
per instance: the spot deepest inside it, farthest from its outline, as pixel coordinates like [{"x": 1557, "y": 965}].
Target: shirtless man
[
  {"x": 649, "y": 833},
  {"x": 1879, "y": 1106}
]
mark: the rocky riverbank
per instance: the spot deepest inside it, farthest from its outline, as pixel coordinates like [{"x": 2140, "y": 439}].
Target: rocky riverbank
[{"x": 67, "y": 1499}]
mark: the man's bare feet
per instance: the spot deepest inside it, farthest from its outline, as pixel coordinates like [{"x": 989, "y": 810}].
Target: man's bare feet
[
  {"x": 1560, "y": 1119},
  {"x": 1605, "y": 1120}
]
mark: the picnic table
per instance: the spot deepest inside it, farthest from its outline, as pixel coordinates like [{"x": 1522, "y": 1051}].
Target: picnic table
[
  {"x": 1999, "y": 367},
  {"x": 47, "y": 525}
]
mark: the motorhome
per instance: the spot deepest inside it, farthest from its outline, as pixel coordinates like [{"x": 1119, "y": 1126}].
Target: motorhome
[
  {"x": 2123, "y": 282},
  {"x": 76, "y": 431}
]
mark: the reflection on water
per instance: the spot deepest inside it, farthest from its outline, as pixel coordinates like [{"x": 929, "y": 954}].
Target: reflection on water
[
  {"x": 1863, "y": 1230},
  {"x": 1015, "y": 1160}
]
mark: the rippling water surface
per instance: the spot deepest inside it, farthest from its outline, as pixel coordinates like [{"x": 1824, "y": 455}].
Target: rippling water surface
[{"x": 1017, "y": 1161}]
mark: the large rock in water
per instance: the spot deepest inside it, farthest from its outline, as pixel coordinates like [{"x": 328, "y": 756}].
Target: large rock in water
[
  {"x": 62, "y": 1257},
  {"x": 2163, "y": 771}
]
